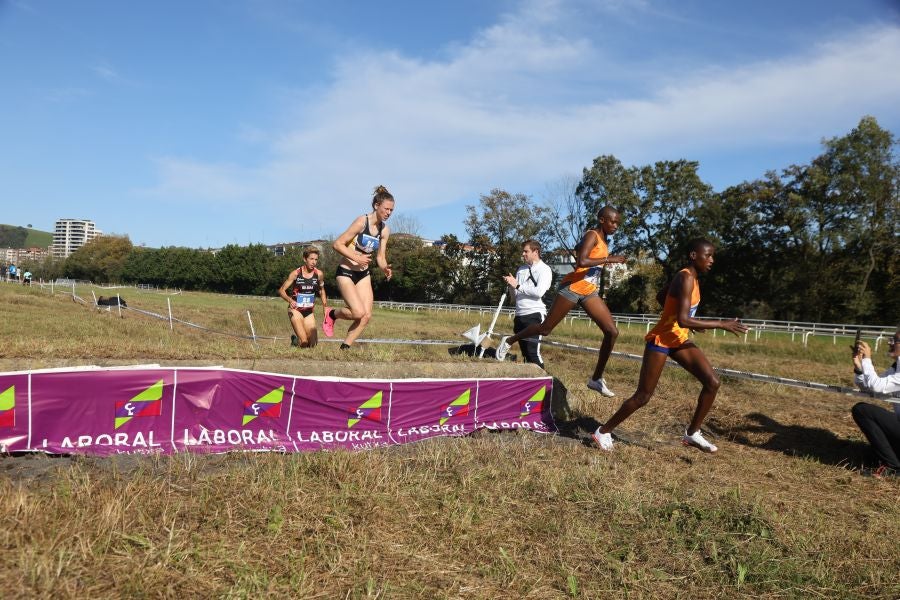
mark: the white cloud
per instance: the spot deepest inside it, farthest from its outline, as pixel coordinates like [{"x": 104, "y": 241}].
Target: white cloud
[
  {"x": 198, "y": 181},
  {"x": 490, "y": 115},
  {"x": 110, "y": 74},
  {"x": 106, "y": 72}
]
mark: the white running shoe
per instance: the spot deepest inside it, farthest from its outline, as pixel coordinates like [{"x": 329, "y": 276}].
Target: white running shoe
[
  {"x": 502, "y": 348},
  {"x": 599, "y": 385},
  {"x": 697, "y": 440},
  {"x": 604, "y": 440}
]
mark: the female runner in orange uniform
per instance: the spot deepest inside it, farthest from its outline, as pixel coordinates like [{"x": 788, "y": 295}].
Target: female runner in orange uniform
[
  {"x": 580, "y": 288},
  {"x": 669, "y": 338}
]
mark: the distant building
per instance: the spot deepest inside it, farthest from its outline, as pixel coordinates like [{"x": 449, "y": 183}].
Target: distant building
[
  {"x": 280, "y": 249},
  {"x": 71, "y": 234},
  {"x": 19, "y": 255},
  {"x": 560, "y": 262}
]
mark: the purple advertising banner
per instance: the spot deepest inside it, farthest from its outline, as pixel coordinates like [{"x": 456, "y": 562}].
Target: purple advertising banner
[
  {"x": 341, "y": 414},
  {"x": 102, "y": 411},
  {"x": 217, "y": 410},
  {"x": 424, "y": 409},
  {"x": 515, "y": 404},
  {"x": 14, "y": 412},
  {"x": 164, "y": 410}
]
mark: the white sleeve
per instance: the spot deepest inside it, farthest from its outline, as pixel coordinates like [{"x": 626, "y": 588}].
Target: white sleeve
[{"x": 870, "y": 381}]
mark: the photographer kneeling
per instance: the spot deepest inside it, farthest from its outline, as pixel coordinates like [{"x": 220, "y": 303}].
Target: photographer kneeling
[{"x": 880, "y": 426}]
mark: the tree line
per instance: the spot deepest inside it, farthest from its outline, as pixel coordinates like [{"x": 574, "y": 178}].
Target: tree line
[
  {"x": 814, "y": 242},
  {"x": 12, "y": 236}
]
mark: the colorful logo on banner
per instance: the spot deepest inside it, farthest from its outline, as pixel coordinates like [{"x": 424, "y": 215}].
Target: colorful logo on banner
[
  {"x": 370, "y": 409},
  {"x": 267, "y": 406},
  {"x": 533, "y": 405},
  {"x": 8, "y": 407},
  {"x": 457, "y": 408},
  {"x": 146, "y": 404}
]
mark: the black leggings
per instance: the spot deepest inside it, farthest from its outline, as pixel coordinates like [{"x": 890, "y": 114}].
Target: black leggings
[
  {"x": 882, "y": 428},
  {"x": 531, "y": 351}
]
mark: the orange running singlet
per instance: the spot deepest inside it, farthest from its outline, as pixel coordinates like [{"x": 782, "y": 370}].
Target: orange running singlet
[
  {"x": 584, "y": 281},
  {"x": 667, "y": 332}
]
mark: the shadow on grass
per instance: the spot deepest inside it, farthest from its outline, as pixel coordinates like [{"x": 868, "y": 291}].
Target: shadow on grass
[
  {"x": 569, "y": 423},
  {"x": 817, "y": 443},
  {"x": 798, "y": 440},
  {"x": 578, "y": 427}
]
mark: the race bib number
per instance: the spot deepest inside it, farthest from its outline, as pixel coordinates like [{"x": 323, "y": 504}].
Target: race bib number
[
  {"x": 367, "y": 243},
  {"x": 305, "y": 300},
  {"x": 593, "y": 275}
]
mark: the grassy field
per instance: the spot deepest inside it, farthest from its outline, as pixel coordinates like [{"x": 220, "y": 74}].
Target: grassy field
[{"x": 781, "y": 511}]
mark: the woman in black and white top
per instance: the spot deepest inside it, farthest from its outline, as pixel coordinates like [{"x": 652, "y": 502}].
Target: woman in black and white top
[
  {"x": 365, "y": 239},
  {"x": 305, "y": 282}
]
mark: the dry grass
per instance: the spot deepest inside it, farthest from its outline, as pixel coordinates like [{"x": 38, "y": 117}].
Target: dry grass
[{"x": 777, "y": 513}]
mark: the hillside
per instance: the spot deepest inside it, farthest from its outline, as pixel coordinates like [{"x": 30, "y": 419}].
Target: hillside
[{"x": 15, "y": 236}]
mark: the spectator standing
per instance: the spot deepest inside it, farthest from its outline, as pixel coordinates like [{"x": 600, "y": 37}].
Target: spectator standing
[{"x": 531, "y": 282}]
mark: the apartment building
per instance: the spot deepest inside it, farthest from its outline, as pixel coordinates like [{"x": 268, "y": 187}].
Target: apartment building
[
  {"x": 14, "y": 256},
  {"x": 71, "y": 234}
]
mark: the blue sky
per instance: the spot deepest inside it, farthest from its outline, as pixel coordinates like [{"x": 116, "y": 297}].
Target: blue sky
[{"x": 211, "y": 122}]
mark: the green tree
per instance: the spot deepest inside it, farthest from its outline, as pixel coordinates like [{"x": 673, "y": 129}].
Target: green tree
[
  {"x": 747, "y": 222},
  {"x": 661, "y": 218},
  {"x": 458, "y": 283},
  {"x": 606, "y": 182},
  {"x": 827, "y": 232},
  {"x": 184, "y": 268},
  {"x": 497, "y": 227},
  {"x": 245, "y": 269},
  {"x": 47, "y": 269},
  {"x": 12, "y": 237},
  {"x": 657, "y": 204},
  {"x": 187, "y": 268},
  {"x": 101, "y": 260},
  {"x": 817, "y": 242},
  {"x": 637, "y": 293},
  {"x": 852, "y": 190},
  {"x": 418, "y": 272},
  {"x": 143, "y": 265}
]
